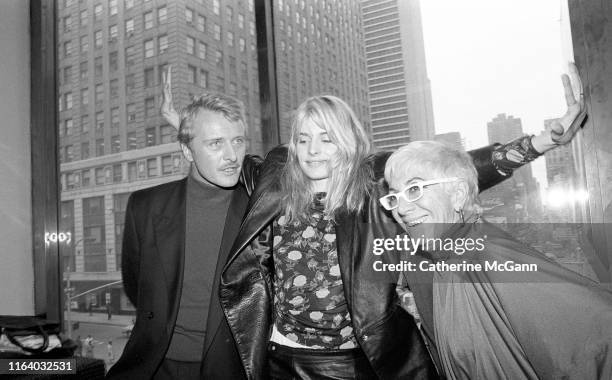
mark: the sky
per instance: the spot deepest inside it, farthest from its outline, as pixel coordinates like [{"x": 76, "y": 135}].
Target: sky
[{"x": 486, "y": 57}]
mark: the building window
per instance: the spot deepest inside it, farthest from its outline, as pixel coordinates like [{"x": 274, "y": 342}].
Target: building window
[
  {"x": 112, "y": 7},
  {"x": 201, "y": 23},
  {"x": 130, "y": 56},
  {"x": 217, "y": 32},
  {"x": 131, "y": 113},
  {"x": 84, "y": 97},
  {"x": 68, "y": 127},
  {"x": 167, "y": 133},
  {"x": 119, "y": 206},
  {"x": 113, "y": 61},
  {"x": 241, "y": 21},
  {"x": 117, "y": 172},
  {"x": 220, "y": 84},
  {"x": 99, "y": 147},
  {"x": 148, "y": 20},
  {"x": 83, "y": 17},
  {"x": 85, "y": 124},
  {"x": 132, "y": 172},
  {"x": 149, "y": 77},
  {"x": 99, "y": 172},
  {"x": 129, "y": 4},
  {"x": 98, "y": 39},
  {"x": 229, "y": 15},
  {"x": 202, "y": 50},
  {"x": 67, "y": 23},
  {"x": 99, "y": 96},
  {"x": 191, "y": 74},
  {"x": 97, "y": 12},
  {"x": 252, "y": 28},
  {"x": 115, "y": 144},
  {"x": 86, "y": 175},
  {"x": 152, "y": 167},
  {"x": 99, "y": 121},
  {"x": 67, "y": 48},
  {"x": 230, "y": 39},
  {"x": 132, "y": 143},
  {"x": 160, "y": 70},
  {"x": 94, "y": 237},
  {"x": 162, "y": 15},
  {"x": 114, "y": 88},
  {"x": 67, "y": 74},
  {"x": 203, "y": 79},
  {"x": 217, "y": 6},
  {"x": 242, "y": 44},
  {"x": 149, "y": 49},
  {"x": 84, "y": 151},
  {"x": 150, "y": 107},
  {"x": 69, "y": 154},
  {"x": 189, "y": 16},
  {"x": 115, "y": 118},
  {"x": 162, "y": 42},
  {"x": 190, "y": 45},
  {"x": 68, "y": 100},
  {"x": 129, "y": 27},
  {"x": 219, "y": 58},
  {"x": 113, "y": 33},
  {"x": 84, "y": 44},
  {"x": 150, "y": 138},
  {"x": 130, "y": 82},
  {"x": 98, "y": 66},
  {"x": 167, "y": 165}
]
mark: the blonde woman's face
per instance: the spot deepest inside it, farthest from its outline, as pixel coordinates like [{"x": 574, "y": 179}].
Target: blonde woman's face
[{"x": 316, "y": 154}]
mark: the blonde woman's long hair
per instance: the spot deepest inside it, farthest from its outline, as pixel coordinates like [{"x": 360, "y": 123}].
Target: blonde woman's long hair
[{"x": 351, "y": 177}]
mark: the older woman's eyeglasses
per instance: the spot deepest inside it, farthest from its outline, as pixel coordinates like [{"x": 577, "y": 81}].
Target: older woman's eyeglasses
[{"x": 411, "y": 193}]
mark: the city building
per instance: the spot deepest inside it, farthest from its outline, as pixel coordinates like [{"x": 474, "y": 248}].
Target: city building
[
  {"x": 111, "y": 55},
  {"x": 451, "y": 138},
  {"x": 319, "y": 50},
  {"x": 400, "y": 93},
  {"x": 517, "y": 199}
]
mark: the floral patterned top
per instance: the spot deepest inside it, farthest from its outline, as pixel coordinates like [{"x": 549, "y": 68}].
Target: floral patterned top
[{"x": 309, "y": 304}]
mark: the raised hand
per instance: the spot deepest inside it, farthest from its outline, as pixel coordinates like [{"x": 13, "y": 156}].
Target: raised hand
[
  {"x": 167, "y": 108},
  {"x": 563, "y": 130}
]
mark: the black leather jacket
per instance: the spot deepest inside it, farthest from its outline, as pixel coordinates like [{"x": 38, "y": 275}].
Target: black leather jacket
[{"x": 386, "y": 333}]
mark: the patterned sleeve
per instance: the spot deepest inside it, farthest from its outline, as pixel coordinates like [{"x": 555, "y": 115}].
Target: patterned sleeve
[{"x": 510, "y": 156}]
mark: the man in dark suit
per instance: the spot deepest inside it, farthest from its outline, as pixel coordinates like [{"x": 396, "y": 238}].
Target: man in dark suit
[{"x": 175, "y": 244}]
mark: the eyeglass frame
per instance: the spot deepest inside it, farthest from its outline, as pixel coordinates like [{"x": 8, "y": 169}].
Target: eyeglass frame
[{"x": 421, "y": 185}]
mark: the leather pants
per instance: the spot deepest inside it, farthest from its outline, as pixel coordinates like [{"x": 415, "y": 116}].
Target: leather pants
[{"x": 302, "y": 363}]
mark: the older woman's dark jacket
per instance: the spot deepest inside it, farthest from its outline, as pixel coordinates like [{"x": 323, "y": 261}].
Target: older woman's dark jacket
[{"x": 386, "y": 333}]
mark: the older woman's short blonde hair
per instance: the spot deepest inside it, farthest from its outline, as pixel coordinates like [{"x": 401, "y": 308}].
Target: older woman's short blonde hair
[{"x": 441, "y": 160}]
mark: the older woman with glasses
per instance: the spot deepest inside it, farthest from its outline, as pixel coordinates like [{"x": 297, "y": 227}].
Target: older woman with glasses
[{"x": 499, "y": 310}]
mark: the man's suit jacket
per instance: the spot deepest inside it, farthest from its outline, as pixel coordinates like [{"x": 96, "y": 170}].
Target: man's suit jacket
[{"x": 153, "y": 260}]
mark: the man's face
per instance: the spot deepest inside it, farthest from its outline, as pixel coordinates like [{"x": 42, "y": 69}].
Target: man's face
[
  {"x": 316, "y": 155},
  {"x": 217, "y": 149}
]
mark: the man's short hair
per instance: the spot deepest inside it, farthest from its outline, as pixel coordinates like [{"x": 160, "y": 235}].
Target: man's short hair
[{"x": 231, "y": 108}]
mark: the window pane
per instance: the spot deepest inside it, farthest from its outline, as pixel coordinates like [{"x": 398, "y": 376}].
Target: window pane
[{"x": 113, "y": 140}]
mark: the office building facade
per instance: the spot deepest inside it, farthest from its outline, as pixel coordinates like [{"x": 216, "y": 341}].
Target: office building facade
[{"x": 400, "y": 93}]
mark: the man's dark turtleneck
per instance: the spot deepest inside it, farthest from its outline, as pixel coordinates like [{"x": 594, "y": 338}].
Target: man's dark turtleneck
[{"x": 206, "y": 209}]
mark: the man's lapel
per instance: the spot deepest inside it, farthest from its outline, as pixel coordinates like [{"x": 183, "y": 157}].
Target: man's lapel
[
  {"x": 169, "y": 232},
  {"x": 263, "y": 206},
  {"x": 237, "y": 207},
  {"x": 345, "y": 245}
]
